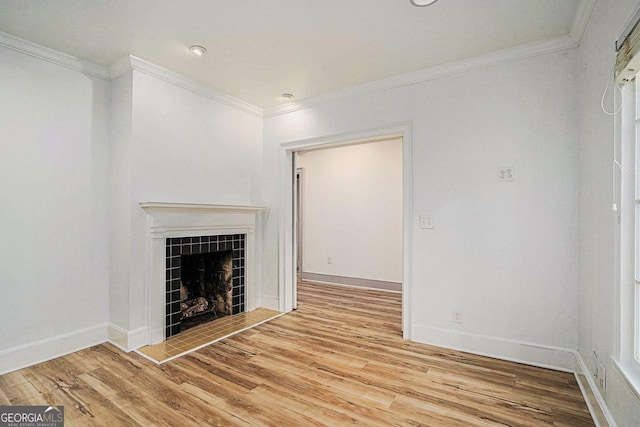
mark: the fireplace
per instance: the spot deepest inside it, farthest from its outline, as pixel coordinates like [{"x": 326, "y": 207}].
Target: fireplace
[
  {"x": 161, "y": 234},
  {"x": 205, "y": 280}
]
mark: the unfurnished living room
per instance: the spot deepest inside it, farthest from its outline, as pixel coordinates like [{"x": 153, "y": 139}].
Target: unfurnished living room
[{"x": 319, "y": 213}]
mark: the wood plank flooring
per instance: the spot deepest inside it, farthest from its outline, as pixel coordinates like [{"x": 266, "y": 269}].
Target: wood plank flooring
[{"x": 338, "y": 360}]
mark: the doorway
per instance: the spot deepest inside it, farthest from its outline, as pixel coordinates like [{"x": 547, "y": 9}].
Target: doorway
[
  {"x": 351, "y": 217},
  {"x": 289, "y": 209}
]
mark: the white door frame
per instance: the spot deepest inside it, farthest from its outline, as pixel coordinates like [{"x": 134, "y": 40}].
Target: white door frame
[
  {"x": 286, "y": 235},
  {"x": 299, "y": 204}
]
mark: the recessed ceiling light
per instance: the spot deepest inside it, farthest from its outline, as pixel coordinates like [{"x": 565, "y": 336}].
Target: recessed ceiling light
[
  {"x": 197, "y": 50},
  {"x": 422, "y": 3},
  {"x": 286, "y": 96}
]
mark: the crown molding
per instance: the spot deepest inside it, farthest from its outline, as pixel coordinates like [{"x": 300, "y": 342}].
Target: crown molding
[
  {"x": 37, "y": 51},
  {"x": 134, "y": 63},
  {"x": 431, "y": 73},
  {"x": 120, "y": 67},
  {"x": 581, "y": 20}
]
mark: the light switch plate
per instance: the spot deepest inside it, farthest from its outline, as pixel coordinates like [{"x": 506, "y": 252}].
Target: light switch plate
[
  {"x": 426, "y": 221},
  {"x": 505, "y": 173}
]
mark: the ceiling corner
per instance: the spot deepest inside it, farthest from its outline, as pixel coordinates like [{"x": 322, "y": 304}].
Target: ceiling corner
[
  {"x": 581, "y": 20},
  {"x": 120, "y": 67}
]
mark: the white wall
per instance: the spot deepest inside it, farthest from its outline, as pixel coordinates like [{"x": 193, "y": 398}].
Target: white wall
[
  {"x": 183, "y": 147},
  {"x": 54, "y": 260},
  {"x": 352, "y": 211},
  {"x": 504, "y": 254},
  {"x": 120, "y": 199},
  {"x": 190, "y": 148},
  {"x": 598, "y": 303}
]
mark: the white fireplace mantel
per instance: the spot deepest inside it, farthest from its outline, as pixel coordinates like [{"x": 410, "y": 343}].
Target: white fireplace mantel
[
  {"x": 200, "y": 206},
  {"x": 166, "y": 220}
]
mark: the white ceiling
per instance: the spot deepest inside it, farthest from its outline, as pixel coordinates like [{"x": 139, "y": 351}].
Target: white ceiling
[{"x": 259, "y": 49}]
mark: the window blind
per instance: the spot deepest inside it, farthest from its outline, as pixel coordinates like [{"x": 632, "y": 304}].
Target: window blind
[{"x": 627, "y": 49}]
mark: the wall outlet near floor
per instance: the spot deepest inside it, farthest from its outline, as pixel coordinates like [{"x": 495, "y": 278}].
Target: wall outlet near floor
[
  {"x": 456, "y": 316},
  {"x": 602, "y": 377},
  {"x": 329, "y": 260}
]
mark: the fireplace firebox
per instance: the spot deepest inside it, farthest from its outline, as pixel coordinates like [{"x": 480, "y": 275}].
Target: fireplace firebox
[{"x": 204, "y": 278}]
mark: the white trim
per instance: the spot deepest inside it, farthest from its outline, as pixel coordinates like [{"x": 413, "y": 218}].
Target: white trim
[
  {"x": 594, "y": 400},
  {"x": 343, "y": 285},
  {"x": 356, "y": 282},
  {"x": 626, "y": 379},
  {"x": 286, "y": 264},
  {"x": 544, "y": 356},
  {"x": 200, "y": 206},
  {"x": 50, "y": 348},
  {"x": 37, "y": 51},
  {"x": 407, "y": 226},
  {"x": 431, "y": 73},
  {"x": 131, "y": 62},
  {"x": 627, "y": 237},
  {"x": 581, "y": 20},
  {"x": 339, "y": 140},
  {"x": 300, "y": 211},
  {"x": 122, "y": 66},
  {"x": 127, "y": 340},
  {"x": 161, "y": 232},
  {"x": 286, "y": 245},
  {"x": 134, "y": 63}
]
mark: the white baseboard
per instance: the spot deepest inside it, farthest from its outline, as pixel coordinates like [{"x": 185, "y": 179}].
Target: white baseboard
[
  {"x": 595, "y": 402},
  {"x": 127, "y": 340},
  {"x": 50, "y": 348},
  {"x": 557, "y": 358},
  {"x": 352, "y": 281}
]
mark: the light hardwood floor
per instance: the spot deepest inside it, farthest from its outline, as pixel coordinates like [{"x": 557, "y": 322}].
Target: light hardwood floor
[{"x": 338, "y": 360}]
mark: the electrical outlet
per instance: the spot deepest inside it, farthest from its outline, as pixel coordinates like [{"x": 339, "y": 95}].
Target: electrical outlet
[
  {"x": 329, "y": 260},
  {"x": 426, "y": 221},
  {"x": 505, "y": 173},
  {"x": 456, "y": 316},
  {"x": 602, "y": 377}
]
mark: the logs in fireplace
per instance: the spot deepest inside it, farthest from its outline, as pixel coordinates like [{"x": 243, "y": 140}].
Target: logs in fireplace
[{"x": 206, "y": 286}]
